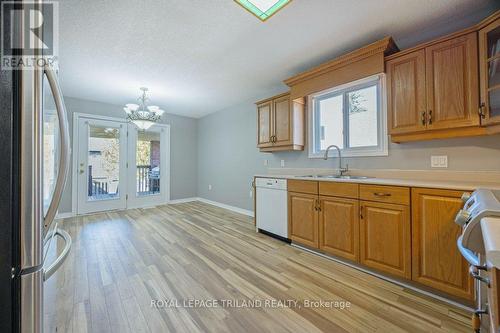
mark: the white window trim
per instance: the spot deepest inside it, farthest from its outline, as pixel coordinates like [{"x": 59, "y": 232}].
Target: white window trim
[{"x": 383, "y": 137}]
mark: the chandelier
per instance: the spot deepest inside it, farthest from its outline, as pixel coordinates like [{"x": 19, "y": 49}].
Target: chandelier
[{"x": 141, "y": 115}]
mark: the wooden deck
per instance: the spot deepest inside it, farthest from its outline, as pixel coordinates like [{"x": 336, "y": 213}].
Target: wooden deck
[{"x": 121, "y": 261}]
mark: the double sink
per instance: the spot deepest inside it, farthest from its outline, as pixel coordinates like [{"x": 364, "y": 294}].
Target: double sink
[{"x": 334, "y": 176}]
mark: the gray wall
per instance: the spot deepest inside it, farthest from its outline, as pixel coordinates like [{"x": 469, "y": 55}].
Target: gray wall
[
  {"x": 183, "y": 148},
  {"x": 228, "y": 157}
]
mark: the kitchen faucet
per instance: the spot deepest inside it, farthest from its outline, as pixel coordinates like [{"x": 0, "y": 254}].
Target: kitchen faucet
[{"x": 341, "y": 169}]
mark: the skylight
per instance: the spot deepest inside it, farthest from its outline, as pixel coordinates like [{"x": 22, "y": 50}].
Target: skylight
[{"x": 263, "y": 9}]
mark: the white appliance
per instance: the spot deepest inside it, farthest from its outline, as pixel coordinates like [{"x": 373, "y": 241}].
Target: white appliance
[
  {"x": 478, "y": 205},
  {"x": 272, "y": 206}
]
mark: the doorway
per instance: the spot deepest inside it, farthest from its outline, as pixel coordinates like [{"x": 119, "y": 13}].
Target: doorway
[{"x": 117, "y": 166}]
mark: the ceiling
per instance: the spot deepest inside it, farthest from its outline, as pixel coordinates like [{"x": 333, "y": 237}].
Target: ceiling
[{"x": 199, "y": 57}]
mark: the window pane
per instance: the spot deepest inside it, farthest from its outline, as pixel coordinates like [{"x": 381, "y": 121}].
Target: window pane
[
  {"x": 363, "y": 124},
  {"x": 331, "y": 124},
  {"x": 104, "y": 162},
  {"x": 148, "y": 163}
]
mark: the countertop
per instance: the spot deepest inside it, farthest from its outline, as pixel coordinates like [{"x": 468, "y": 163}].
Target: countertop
[
  {"x": 490, "y": 227},
  {"x": 439, "y": 184}
]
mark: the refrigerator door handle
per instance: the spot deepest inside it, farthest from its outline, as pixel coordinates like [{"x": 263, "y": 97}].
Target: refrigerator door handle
[
  {"x": 65, "y": 156},
  {"x": 47, "y": 273}
]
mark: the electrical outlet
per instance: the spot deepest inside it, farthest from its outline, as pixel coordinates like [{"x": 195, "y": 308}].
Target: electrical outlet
[
  {"x": 210, "y": 187},
  {"x": 282, "y": 163},
  {"x": 251, "y": 194},
  {"x": 266, "y": 162},
  {"x": 439, "y": 161}
]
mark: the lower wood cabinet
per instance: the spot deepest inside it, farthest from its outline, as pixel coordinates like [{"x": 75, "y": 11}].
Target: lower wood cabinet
[
  {"x": 437, "y": 263},
  {"x": 303, "y": 218},
  {"x": 407, "y": 234},
  {"x": 339, "y": 227},
  {"x": 385, "y": 237}
]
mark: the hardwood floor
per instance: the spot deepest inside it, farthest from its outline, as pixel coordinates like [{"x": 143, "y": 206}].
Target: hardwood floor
[{"x": 121, "y": 261}]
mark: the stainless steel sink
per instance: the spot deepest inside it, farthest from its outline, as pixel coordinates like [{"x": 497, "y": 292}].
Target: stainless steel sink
[{"x": 335, "y": 176}]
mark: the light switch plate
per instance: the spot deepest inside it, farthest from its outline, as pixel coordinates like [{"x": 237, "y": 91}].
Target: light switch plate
[
  {"x": 210, "y": 187},
  {"x": 266, "y": 162},
  {"x": 439, "y": 161},
  {"x": 282, "y": 163}
]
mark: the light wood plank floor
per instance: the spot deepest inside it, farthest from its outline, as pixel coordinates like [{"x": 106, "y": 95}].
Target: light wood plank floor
[{"x": 120, "y": 261}]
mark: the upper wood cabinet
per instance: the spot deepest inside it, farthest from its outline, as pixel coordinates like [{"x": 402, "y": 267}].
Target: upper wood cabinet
[
  {"x": 437, "y": 262},
  {"x": 489, "y": 68},
  {"x": 303, "y": 218},
  {"x": 339, "y": 227},
  {"x": 452, "y": 82},
  {"x": 280, "y": 124},
  {"x": 406, "y": 93},
  {"x": 264, "y": 124},
  {"x": 432, "y": 91},
  {"x": 385, "y": 238}
]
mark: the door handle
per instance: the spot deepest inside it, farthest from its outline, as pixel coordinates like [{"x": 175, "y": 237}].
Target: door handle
[
  {"x": 64, "y": 160},
  {"x": 47, "y": 273}
]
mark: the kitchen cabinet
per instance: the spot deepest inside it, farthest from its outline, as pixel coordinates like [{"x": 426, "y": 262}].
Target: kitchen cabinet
[
  {"x": 437, "y": 263},
  {"x": 406, "y": 93},
  {"x": 385, "y": 237},
  {"x": 433, "y": 90},
  {"x": 264, "y": 124},
  {"x": 452, "y": 81},
  {"x": 280, "y": 124},
  {"x": 339, "y": 227},
  {"x": 489, "y": 68},
  {"x": 303, "y": 218},
  {"x": 494, "y": 298}
]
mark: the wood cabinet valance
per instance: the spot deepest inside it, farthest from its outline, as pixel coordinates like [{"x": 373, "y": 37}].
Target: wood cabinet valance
[{"x": 358, "y": 64}]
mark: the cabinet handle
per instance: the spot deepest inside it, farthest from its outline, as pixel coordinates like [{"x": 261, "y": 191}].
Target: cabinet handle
[
  {"x": 430, "y": 117},
  {"x": 319, "y": 205},
  {"x": 381, "y": 194},
  {"x": 361, "y": 212},
  {"x": 423, "y": 118},
  {"x": 482, "y": 115}
]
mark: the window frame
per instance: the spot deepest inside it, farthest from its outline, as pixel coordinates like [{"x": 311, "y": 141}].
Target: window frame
[{"x": 382, "y": 136}]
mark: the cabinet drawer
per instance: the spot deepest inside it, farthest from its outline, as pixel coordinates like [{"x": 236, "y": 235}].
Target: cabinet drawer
[
  {"x": 344, "y": 190},
  {"x": 302, "y": 186},
  {"x": 389, "y": 194}
]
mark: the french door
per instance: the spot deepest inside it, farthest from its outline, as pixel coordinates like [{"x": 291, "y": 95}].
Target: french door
[
  {"x": 120, "y": 166},
  {"x": 102, "y": 162},
  {"x": 147, "y": 166}
]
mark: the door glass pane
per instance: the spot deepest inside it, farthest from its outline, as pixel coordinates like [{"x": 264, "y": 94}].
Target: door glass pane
[
  {"x": 330, "y": 120},
  {"x": 148, "y": 163},
  {"x": 363, "y": 117},
  {"x": 494, "y": 72},
  {"x": 103, "y": 163},
  {"x": 493, "y": 37},
  {"x": 494, "y": 101},
  {"x": 50, "y": 146}
]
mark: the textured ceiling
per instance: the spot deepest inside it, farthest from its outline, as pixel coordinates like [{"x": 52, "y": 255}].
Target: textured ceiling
[{"x": 201, "y": 56}]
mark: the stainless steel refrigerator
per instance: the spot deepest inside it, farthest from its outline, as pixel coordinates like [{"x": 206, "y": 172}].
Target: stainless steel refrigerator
[{"x": 34, "y": 163}]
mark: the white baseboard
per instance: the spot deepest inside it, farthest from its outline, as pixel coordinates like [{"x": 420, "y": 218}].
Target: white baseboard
[
  {"x": 178, "y": 201},
  {"x": 228, "y": 207}
]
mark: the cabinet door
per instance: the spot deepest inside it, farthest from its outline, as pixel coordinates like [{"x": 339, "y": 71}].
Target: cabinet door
[
  {"x": 437, "y": 262},
  {"x": 339, "y": 227},
  {"x": 406, "y": 93},
  {"x": 452, "y": 81},
  {"x": 385, "y": 237},
  {"x": 489, "y": 68},
  {"x": 303, "y": 219},
  {"x": 264, "y": 124},
  {"x": 282, "y": 113}
]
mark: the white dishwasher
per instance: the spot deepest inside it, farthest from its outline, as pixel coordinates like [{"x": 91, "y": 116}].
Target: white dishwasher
[{"x": 272, "y": 206}]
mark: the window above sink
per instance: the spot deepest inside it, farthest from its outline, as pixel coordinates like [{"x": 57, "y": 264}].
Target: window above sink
[{"x": 351, "y": 116}]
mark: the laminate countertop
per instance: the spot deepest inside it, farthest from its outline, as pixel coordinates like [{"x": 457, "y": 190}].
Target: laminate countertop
[
  {"x": 490, "y": 227},
  {"x": 438, "y": 184}
]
